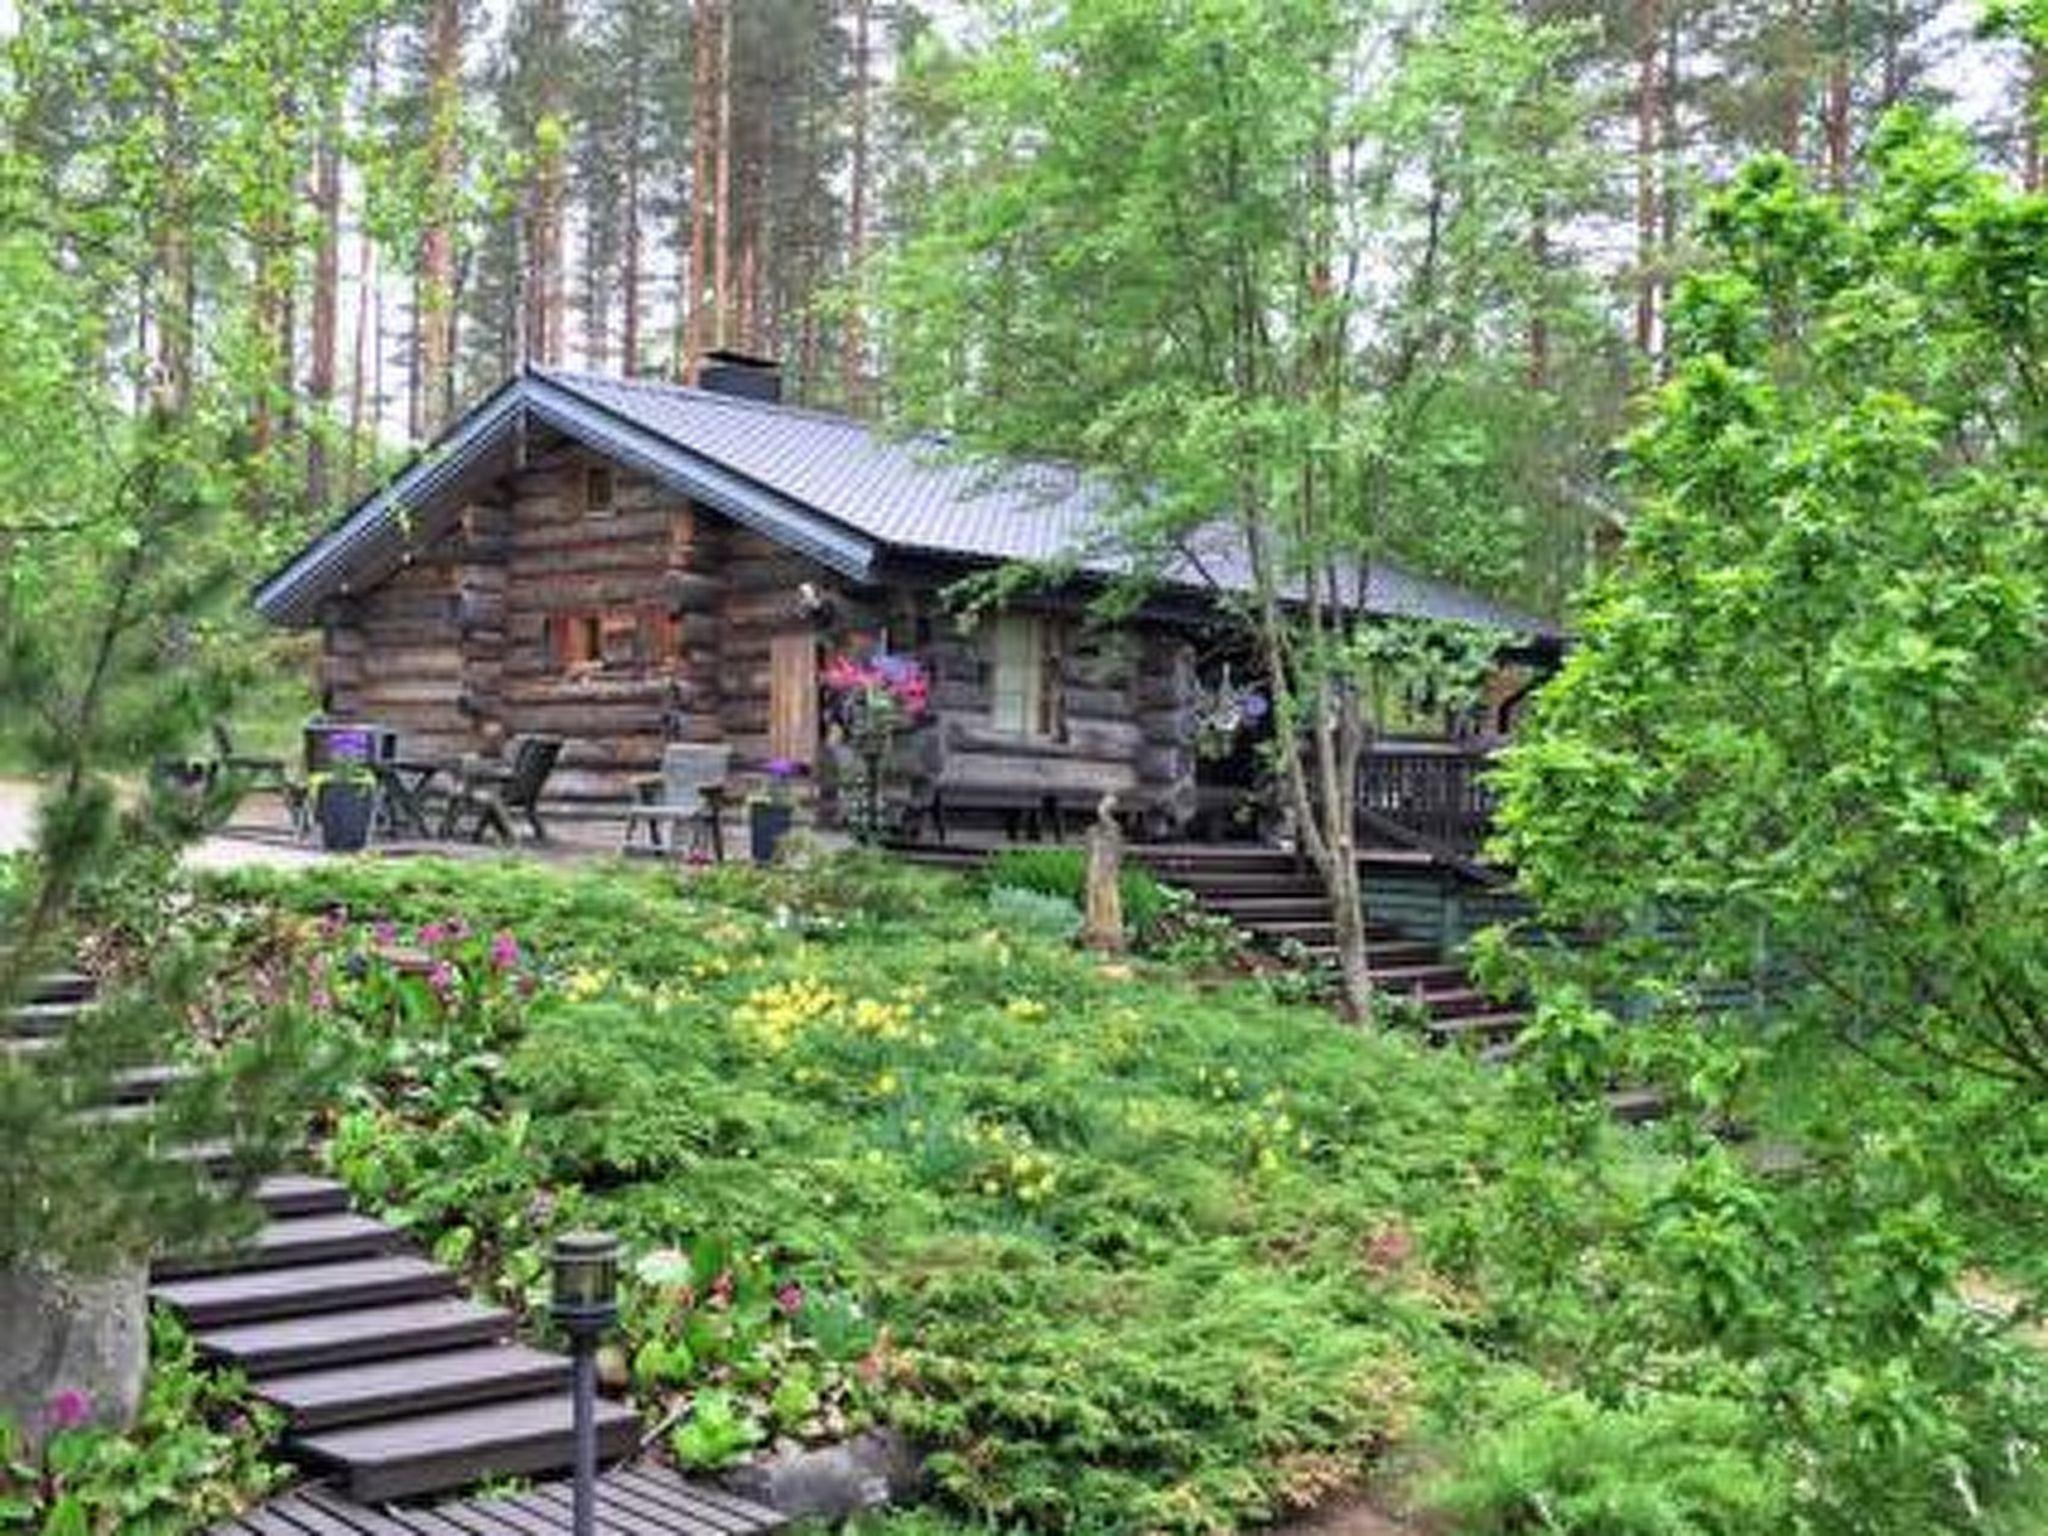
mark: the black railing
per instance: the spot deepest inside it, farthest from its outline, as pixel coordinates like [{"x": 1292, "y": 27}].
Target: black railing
[{"x": 1434, "y": 789}]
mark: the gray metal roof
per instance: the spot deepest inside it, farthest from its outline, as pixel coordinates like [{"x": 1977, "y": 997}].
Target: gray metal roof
[{"x": 837, "y": 488}]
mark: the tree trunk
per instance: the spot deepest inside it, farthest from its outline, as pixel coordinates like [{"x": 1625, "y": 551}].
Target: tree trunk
[
  {"x": 1838, "y": 99},
  {"x": 721, "y": 207},
  {"x": 853, "y": 373},
  {"x": 2036, "y": 108},
  {"x": 1539, "y": 316},
  {"x": 629, "y": 240},
  {"x": 544, "y": 296},
  {"x": 321, "y": 368},
  {"x": 694, "y": 332},
  {"x": 434, "y": 317},
  {"x": 1647, "y": 115}
]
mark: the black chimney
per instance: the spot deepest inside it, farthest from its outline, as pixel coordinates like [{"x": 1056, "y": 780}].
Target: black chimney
[{"x": 735, "y": 373}]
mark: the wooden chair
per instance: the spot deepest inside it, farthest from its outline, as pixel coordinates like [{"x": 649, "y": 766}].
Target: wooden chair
[
  {"x": 687, "y": 795},
  {"x": 488, "y": 794}
]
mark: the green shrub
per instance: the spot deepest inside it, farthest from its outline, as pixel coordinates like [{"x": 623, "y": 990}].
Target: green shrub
[
  {"x": 1033, "y": 913},
  {"x": 197, "y": 1453},
  {"x": 1549, "y": 1459},
  {"x": 1063, "y": 872}
]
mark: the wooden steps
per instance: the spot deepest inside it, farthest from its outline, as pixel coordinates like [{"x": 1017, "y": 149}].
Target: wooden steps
[
  {"x": 1278, "y": 899},
  {"x": 315, "y": 1342},
  {"x": 416, "y": 1453},
  {"x": 326, "y": 1397},
  {"x": 388, "y": 1379}
]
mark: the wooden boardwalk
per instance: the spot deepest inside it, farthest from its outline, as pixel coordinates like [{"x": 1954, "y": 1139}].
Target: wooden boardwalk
[{"x": 642, "y": 1500}]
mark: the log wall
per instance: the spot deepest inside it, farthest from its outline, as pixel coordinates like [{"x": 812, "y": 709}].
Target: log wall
[{"x": 657, "y": 621}]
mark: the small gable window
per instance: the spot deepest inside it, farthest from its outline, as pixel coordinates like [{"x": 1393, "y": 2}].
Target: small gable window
[{"x": 600, "y": 490}]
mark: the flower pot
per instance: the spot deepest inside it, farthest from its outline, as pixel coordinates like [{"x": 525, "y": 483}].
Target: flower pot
[
  {"x": 767, "y": 825},
  {"x": 344, "y": 808}
]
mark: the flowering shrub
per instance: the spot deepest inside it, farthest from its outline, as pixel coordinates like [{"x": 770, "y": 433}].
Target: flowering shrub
[
  {"x": 875, "y": 696},
  {"x": 195, "y": 1454},
  {"x": 871, "y": 700}
]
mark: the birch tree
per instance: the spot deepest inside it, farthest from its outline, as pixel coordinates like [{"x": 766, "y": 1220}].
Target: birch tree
[{"x": 1249, "y": 261}]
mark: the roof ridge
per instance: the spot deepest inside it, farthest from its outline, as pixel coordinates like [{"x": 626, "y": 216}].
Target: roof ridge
[{"x": 571, "y": 377}]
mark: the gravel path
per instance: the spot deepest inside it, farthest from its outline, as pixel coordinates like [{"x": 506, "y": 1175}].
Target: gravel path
[{"x": 269, "y": 846}]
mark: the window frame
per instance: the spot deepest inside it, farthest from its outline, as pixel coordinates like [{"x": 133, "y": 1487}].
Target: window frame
[{"x": 1034, "y": 650}]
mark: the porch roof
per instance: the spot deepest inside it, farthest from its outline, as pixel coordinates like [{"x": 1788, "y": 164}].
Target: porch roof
[{"x": 838, "y": 489}]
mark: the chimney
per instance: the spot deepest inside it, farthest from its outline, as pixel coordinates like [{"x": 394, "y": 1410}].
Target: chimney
[{"x": 735, "y": 373}]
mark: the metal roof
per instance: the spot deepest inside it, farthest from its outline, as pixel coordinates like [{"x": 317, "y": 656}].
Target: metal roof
[{"x": 838, "y": 489}]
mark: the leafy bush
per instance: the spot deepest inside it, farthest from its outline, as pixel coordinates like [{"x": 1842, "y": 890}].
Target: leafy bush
[
  {"x": 1033, "y": 913},
  {"x": 1552, "y": 1460},
  {"x": 196, "y": 1454},
  {"x": 1063, "y": 872}
]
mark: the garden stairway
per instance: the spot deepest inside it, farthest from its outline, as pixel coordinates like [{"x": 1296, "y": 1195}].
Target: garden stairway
[
  {"x": 1279, "y": 900},
  {"x": 389, "y": 1379}
]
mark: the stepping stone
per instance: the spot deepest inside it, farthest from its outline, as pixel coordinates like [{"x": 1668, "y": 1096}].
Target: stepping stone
[
  {"x": 424, "y": 1452},
  {"x": 349, "y": 1337},
  {"x": 213, "y": 1301},
  {"x": 412, "y": 1384},
  {"x": 294, "y": 1240}
]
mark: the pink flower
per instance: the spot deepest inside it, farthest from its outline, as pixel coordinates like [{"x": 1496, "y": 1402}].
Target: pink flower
[
  {"x": 504, "y": 950},
  {"x": 789, "y": 1296},
  {"x": 432, "y": 934},
  {"x": 442, "y": 979},
  {"x": 320, "y": 999},
  {"x": 385, "y": 933},
  {"x": 457, "y": 927},
  {"x": 68, "y": 1409}
]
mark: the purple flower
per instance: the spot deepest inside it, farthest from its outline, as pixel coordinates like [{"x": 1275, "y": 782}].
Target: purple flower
[
  {"x": 504, "y": 950},
  {"x": 442, "y": 979},
  {"x": 432, "y": 934},
  {"x": 320, "y": 999},
  {"x": 783, "y": 768},
  {"x": 385, "y": 933},
  {"x": 68, "y": 1409},
  {"x": 1251, "y": 706},
  {"x": 789, "y": 1296}
]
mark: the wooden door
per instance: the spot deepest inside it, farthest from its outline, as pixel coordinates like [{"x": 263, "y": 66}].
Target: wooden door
[{"x": 793, "y": 697}]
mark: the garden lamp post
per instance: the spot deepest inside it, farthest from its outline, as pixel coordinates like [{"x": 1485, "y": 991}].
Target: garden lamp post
[{"x": 586, "y": 1303}]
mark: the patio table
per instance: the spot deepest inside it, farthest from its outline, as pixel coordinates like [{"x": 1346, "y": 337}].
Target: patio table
[{"x": 405, "y": 783}]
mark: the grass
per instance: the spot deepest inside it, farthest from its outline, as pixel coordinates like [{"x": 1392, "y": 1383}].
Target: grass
[{"x": 1123, "y": 1251}]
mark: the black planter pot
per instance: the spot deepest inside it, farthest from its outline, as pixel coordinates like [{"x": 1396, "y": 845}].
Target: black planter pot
[
  {"x": 767, "y": 825},
  {"x": 344, "y": 812}
]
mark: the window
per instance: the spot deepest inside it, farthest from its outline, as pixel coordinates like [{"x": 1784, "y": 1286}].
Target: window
[
  {"x": 1023, "y": 676},
  {"x": 600, "y": 490},
  {"x": 576, "y": 640}
]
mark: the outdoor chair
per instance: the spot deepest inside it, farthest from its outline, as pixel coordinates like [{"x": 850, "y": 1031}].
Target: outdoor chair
[
  {"x": 248, "y": 773},
  {"x": 687, "y": 795},
  {"x": 487, "y": 795}
]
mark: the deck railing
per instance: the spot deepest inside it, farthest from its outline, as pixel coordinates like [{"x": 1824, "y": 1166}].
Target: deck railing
[{"x": 1434, "y": 789}]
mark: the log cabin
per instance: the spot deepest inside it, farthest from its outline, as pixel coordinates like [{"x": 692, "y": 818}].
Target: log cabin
[{"x": 627, "y": 563}]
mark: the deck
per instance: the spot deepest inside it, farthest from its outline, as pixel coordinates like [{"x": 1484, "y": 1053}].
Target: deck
[{"x": 641, "y": 1500}]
